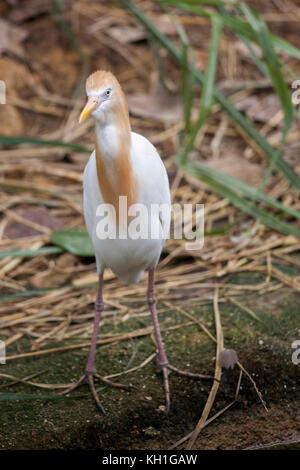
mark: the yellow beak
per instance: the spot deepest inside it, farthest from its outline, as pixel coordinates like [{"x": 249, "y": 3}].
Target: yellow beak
[{"x": 90, "y": 106}]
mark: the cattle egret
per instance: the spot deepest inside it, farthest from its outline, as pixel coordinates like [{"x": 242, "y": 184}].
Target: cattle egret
[{"x": 123, "y": 164}]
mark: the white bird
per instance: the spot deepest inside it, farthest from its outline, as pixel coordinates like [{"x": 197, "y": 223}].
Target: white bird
[{"x": 123, "y": 164}]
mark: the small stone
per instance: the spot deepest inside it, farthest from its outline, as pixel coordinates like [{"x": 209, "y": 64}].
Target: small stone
[
  {"x": 150, "y": 431},
  {"x": 162, "y": 408}
]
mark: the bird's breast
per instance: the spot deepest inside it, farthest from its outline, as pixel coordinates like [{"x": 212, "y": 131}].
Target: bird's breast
[{"x": 116, "y": 177}]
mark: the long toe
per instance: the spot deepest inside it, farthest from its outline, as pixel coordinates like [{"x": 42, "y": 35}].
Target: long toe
[
  {"x": 166, "y": 368},
  {"x": 167, "y": 388},
  {"x": 191, "y": 375},
  {"x": 115, "y": 384},
  {"x": 74, "y": 386},
  {"x": 94, "y": 393},
  {"x": 90, "y": 378}
]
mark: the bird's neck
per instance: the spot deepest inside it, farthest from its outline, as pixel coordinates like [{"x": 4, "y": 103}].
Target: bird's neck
[{"x": 114, "y": 166}]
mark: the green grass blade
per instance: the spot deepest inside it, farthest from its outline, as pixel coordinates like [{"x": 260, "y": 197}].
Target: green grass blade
[
  {"x": 207, "y": 97},
  {"x": 251, "y": 131},
  {"x": 187, "y": 80},
  {"x": 209, "y": 78},
  {"x": 234, "y": 114},
  {"x": 188, "y": 6},
  {"x": 68, "y": 32},
  {"x": 273, "y": 66},
  {"x": 26, "y": 293},
  {"x": 257, "y": 60},
  {"x": 243, "y": 204},
  {"x": 187, "y": 88},
  {"x": 35, "y": 396},
  {"x": 17, "y": 140},
  {"x": 235, "y": 24},
  {"x": 272, "y": 62},
  {"x": 205, "y": 3},
  {"x": 37, "y": 292},
  {"x": 244, "y": 189},
  {"x": 260, "y": 64},
  {"x": 46, "y": 250},
  {"x": 285, "y": 46}
]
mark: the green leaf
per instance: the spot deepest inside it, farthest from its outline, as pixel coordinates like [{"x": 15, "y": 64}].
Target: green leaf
[{"x": 75, "y": 241}]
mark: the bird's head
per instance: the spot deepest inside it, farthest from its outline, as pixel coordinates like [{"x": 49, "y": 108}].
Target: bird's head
[{"x": 105, "y": 97}]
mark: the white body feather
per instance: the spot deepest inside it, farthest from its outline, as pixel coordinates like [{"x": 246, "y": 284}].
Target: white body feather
[{"x": 128, "y": 258}]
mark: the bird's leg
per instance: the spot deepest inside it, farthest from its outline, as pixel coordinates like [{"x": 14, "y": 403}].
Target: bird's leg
[
  {"x": 90, "y": 373},
  {"x": 99, "y": 306},
  {"x": 162, "y": 360}
]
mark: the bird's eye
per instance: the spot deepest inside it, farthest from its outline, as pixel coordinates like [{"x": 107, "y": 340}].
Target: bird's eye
[{"x": 108, "y": 92}]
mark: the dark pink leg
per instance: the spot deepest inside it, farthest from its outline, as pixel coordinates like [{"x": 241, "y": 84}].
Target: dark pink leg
[
  {"x": 90, "y": 370},
  {"x": 162, "y": 361},
  {"x": 161, "y": 357}
]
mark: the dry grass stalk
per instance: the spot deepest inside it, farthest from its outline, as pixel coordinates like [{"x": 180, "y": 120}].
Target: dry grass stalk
[{"x": 217, "y": 375}]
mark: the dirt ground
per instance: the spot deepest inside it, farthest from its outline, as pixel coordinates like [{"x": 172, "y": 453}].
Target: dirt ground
[{"x": 135, "y": 419}]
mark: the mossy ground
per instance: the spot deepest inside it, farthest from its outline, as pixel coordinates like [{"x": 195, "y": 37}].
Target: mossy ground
[{"x": 134, "y": 419}]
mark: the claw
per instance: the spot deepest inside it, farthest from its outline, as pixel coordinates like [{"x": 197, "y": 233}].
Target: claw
[
  {"x": 191, "y": 375},
  {"x": 90, "y": 378},
  {"x": 166, "y": 368},
  {"x": 74, "y": 386},
  {"x": 114, "y": 384},
  {"x": 167, "y": 388},
  {"x": 94, "y": 393}
]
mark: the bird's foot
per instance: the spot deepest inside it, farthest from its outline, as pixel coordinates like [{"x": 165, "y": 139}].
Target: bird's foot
[
  {"x": 166, "y": 369},
  {"x": 90, "y": 377}
]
